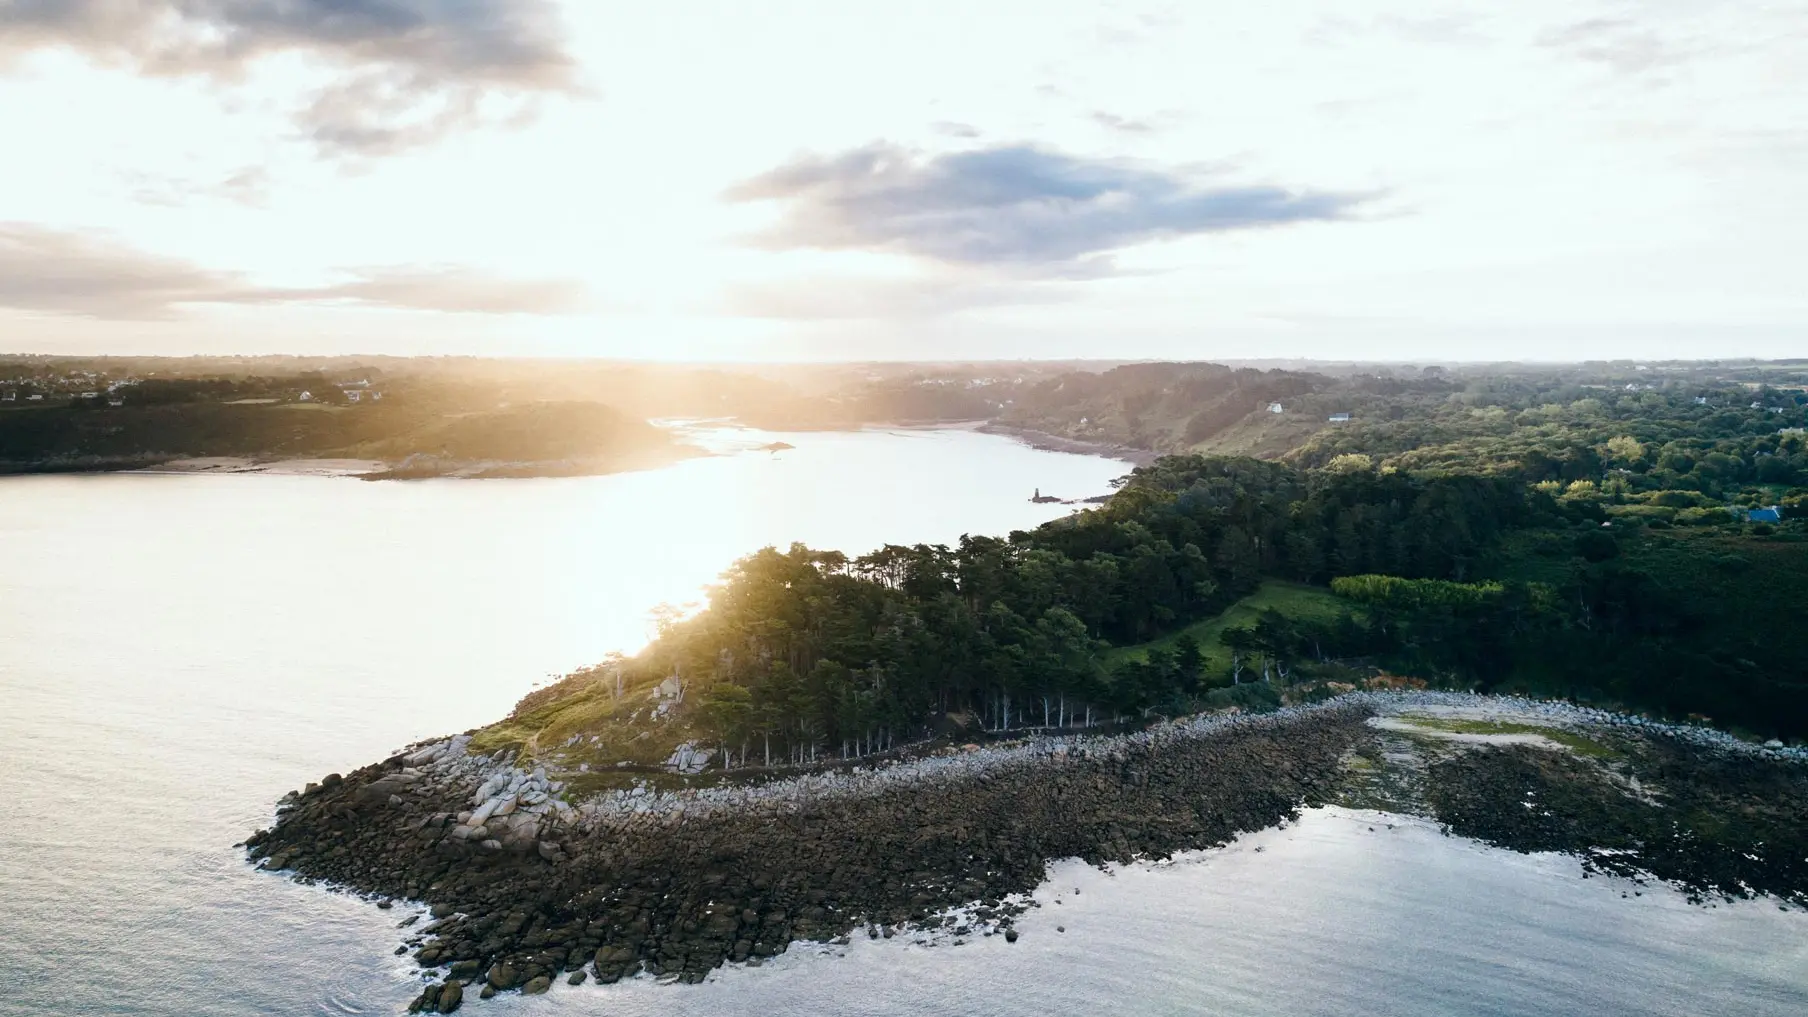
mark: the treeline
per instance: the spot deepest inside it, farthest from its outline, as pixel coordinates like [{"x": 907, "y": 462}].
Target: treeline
[
  {"x": 802, "y": 652},
  {"x": 1163, "y": 407},
  {"x": 802, "y": 655}
]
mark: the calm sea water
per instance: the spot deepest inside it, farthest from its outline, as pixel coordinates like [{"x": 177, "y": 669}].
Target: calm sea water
[{"x": 176, "y": 652}]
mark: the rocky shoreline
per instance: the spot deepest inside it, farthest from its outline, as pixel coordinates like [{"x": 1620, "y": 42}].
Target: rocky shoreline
[{"x": 527, "y": 888}]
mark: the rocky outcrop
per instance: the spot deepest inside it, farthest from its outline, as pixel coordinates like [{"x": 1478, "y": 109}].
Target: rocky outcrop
[
  {"x": 525, "y": 886},
  {"x": 1725, "y": 825}
]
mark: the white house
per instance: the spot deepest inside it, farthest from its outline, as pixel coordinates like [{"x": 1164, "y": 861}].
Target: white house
[
  {"x": 306, "y": 396},
  {"x": 1274, "y": 407},
  {"x": 10, "y": 396},
  {"x": 1340, "y": 418}
]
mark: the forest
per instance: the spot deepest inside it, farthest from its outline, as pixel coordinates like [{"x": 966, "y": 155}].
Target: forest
[
  {"x": 1458, "y": 580},
  {"x": 1558, "y": 532}
]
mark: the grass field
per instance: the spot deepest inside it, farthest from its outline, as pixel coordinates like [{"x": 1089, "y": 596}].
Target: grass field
[
  {"x": 1575, "y": 742},
  {"x": 1295, "y": 600}
]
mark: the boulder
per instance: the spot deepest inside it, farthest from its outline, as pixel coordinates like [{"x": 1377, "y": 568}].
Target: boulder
[
  {"x": 421, "y": 757},
  {"x": 485, "y": 811},
  {"x": 503, "y": 976},
  {"x": 535, "y": 986},
  {"x": 451, "y": 996}
]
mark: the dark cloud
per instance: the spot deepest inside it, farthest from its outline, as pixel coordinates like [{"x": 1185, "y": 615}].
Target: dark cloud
[
  {"x": 412, "y": 70},
  {"x": 1018, "y": 207},
  {"x": 59, "y": 272}
]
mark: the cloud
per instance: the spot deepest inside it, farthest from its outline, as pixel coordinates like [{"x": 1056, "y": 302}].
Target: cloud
[
  {"x": 854, "y": 299},
  {"x": 954, "y": 129},
  {"x": 249, "y": 187},
  {"x": 448, "y": 288},
  {"x": 1020, "y": 207},
  {"x": 1443, "y": 31},
  {"x": 1625, "y": 46},
  {"x": 65, "y": 273},
  {"x": 1123, "y": 125},
  {"x": 58, "y": 272},
  {"x": 1155, "y": 124},
  {"x": 408, "y": 71}
]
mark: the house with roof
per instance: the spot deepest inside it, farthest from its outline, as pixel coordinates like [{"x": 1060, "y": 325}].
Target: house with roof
[
  {"x": 1768, "y": 514},
  {"x": 1339, "y": 418},
  {"x": 1274, "y": 408}
]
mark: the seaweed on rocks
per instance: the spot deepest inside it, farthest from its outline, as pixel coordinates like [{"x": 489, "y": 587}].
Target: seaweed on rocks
[
  {"x": 676, "y": 885},
  {"x": 1712, "y": 823}
]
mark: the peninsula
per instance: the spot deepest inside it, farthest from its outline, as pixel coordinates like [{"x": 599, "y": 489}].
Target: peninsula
[{"x": 904, "y": 740}]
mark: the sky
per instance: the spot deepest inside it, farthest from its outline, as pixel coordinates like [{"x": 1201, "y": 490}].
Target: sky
[{"x": 1392, "y": 180}]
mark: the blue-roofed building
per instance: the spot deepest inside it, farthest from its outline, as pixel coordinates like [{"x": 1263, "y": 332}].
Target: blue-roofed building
[{"x": 1764, "y": 515}]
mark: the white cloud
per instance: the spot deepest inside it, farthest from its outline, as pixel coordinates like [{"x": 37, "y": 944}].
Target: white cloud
[{"x": 1558, "y": 176}]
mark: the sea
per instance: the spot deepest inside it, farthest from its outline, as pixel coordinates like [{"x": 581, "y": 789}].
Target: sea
[{"x": 177, "y": 651}]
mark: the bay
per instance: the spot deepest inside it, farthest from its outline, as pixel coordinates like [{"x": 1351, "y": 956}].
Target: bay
[{"x": 178, "y": 651}]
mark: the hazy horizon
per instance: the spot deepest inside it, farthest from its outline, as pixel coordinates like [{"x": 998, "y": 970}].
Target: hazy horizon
[{"x": 824, "y": 182}]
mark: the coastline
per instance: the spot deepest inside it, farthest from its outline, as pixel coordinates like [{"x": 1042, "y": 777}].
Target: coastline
[
  {"x": 418, "y": 467},
  {"x": 421, "y": 466},
  {"x": 1059, "y": 443},
  {"x": 530, "y": 882},
  {"x": 281, "y": 467},
  {"x": 676, "y": 884}
]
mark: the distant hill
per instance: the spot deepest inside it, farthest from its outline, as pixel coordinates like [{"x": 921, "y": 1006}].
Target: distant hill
[
  {"x": 1164, "y": 407},
  {"x": 556, "y": 437}
]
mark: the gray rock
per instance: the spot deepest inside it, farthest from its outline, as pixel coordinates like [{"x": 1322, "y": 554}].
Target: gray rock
[{"x": 536, "y": 986}]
